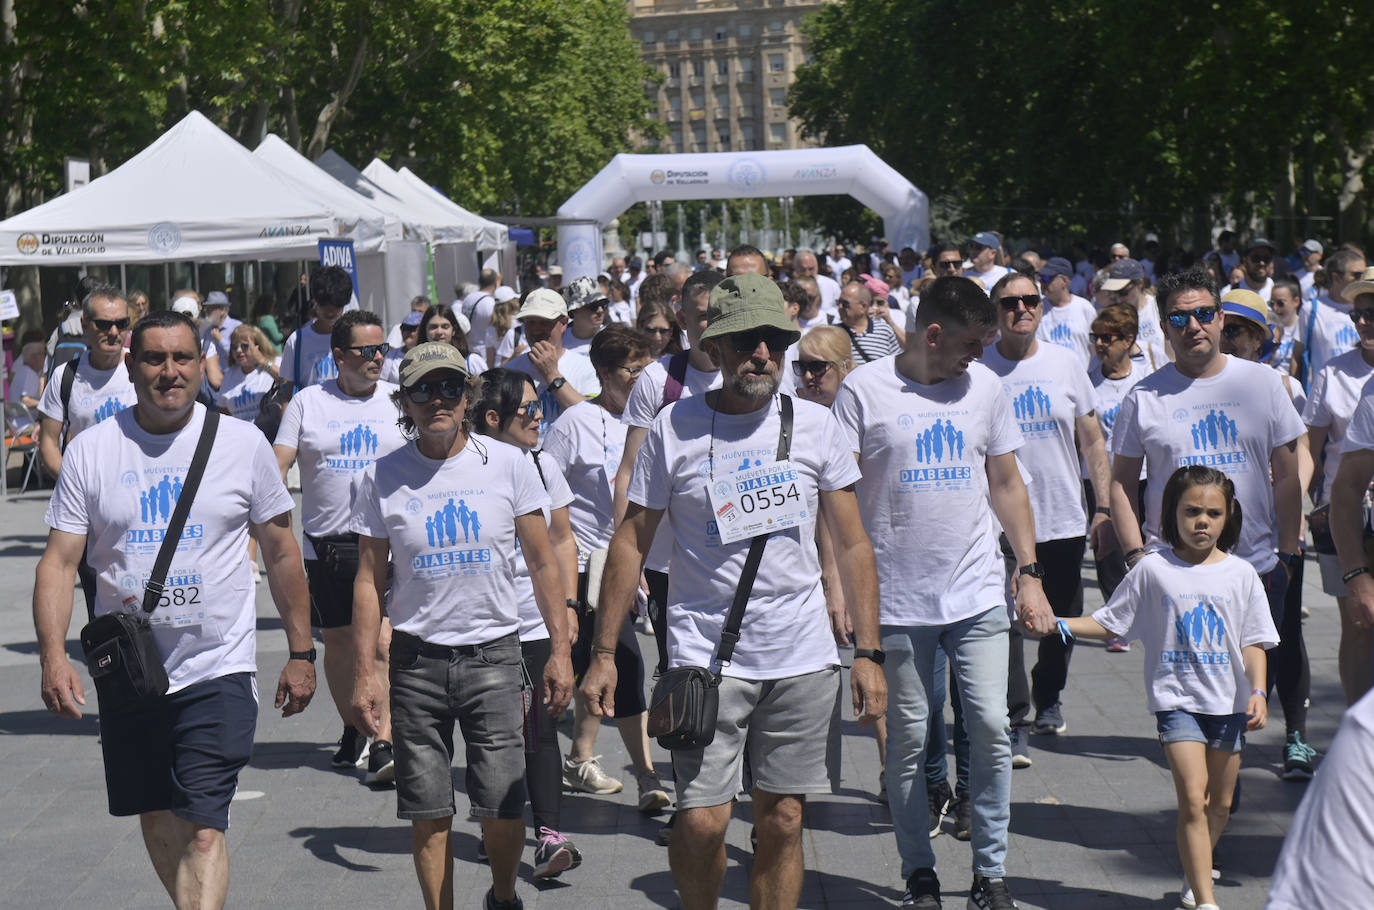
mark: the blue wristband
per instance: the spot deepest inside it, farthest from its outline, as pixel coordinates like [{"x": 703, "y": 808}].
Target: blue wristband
[{"x": 1064, "y": 634}]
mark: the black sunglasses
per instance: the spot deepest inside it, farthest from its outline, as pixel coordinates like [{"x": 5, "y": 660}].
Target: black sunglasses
[
  {"x": 369, "y": 350},
  {"x": 1262, "y": 260},
  {"x": 748, "y": 342},
  {"x": 949, "y": 263},
  {"x": 530, "y": 410},
  {"x": 1233, "y": 331},
  {"x": 1104, "y": 337},
  {"x": 1203, "y": 314},
  {"x": 448, "y": 389},
  {"x": 104, "y": 325},
  {"x": 1362, "y": 315},
  {"x": 1011, "y": 302},
  {"x": 815, "y": 368}
]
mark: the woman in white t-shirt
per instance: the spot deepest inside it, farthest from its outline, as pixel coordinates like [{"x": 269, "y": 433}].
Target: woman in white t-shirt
[
  {"x": 507, "y": 409},
  {"x": 255, "y": 369},
  {"x": 440, "y": 323},
  {"x": 1204, "y": 619}
]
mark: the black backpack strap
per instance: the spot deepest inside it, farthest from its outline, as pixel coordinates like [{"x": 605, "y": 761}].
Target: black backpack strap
[
  {"x": 540, "y": 468},
  {"x": 153, "y": 592},
  {"x": 65, "y": 393},
  {"x": 729, "y": 636}
]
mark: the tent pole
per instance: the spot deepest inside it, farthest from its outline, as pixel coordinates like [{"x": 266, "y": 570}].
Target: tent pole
[{"x": 123, "y": 279}]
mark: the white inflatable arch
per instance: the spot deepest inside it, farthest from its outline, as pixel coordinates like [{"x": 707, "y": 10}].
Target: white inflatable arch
[{"x": 849, "y": 169}]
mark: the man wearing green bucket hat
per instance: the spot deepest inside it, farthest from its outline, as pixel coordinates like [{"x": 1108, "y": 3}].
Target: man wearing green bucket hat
[{"x": 739, "y": 463}]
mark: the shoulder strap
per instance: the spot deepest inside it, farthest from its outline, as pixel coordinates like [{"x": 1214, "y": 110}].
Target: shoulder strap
[
  {"x": 153, "y": 592},
  {"x": 854, "y": 342},
  {"x": 677, "y": 377},
  {"x": 65, "y": 393},
  {"x": 297, "y": 385},
  {"x": 538, "y": 467},
  {"x": 729, "y": 636}
]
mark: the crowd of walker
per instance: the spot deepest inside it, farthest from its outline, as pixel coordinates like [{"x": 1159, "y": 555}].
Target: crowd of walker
[{"x": 908, "y": 454}]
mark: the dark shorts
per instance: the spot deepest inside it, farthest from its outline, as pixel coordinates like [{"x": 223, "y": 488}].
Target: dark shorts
[
  {"x": 629, "y": 661},
  {"x": 331, "y": 595},
  {"x": 479, "y": 687},
  {"x": 182, "y": 752}
]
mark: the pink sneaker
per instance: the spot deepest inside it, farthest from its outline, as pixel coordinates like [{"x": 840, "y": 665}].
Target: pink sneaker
[{"x": 1117, "y": 646}]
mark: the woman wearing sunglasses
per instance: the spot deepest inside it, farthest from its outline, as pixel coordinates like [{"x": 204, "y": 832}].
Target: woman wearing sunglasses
[
  {"x": 254, "y": 370},
  {"x": 448, "y": 509},
  {"x": 823, "y": 360},
  {"x": 657, "y": 321},
  {"x": 507, "y": 410}
]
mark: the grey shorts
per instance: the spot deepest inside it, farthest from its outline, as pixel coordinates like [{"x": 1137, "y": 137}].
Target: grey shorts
[
  {"x": 479, "y": 687},
  {"x": 1330, "y": 565},
  {"x": 791, "y": 729}
]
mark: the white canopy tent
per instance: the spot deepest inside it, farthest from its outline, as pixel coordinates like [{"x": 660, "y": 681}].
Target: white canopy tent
[
  {"x": 852, "y": 169},
  {"x": 194, "y": 194},
  {"x": 375, "y": 225},
  {"x": 494, "y": 246}
]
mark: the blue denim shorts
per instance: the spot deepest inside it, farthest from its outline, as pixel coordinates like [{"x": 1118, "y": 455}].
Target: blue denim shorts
[{"x": 1223, "y": 732}]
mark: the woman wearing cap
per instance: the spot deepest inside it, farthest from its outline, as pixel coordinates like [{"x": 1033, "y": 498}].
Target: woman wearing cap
[
  {"x": 440, "y": 323},
  {"x": 1247, "y": 334},
  {"x": 507, "y": 409},
  {"x": 448, "y": 509}
]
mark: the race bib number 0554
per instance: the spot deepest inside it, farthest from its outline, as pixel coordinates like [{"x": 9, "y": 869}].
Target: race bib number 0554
[{"x": 759, "y": 500}]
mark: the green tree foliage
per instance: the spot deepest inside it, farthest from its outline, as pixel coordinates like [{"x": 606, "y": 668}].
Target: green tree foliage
[
  {"x": 1074, "y": 116},
  {"x": 500, "y": 103}
]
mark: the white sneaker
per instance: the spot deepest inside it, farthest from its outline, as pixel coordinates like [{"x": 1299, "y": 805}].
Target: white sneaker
[
  {"x": 587, "y": 777},
  {"x": 652, "y": 796}
]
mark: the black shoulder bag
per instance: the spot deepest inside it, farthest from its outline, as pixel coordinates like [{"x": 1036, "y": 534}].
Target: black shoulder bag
[
  {"x": 682, "y": 709},
  {"x": 121, "y": 651}
]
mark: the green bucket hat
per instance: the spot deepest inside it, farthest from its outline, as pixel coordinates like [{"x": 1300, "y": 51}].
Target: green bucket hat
[{"x": 745, "y": 302}]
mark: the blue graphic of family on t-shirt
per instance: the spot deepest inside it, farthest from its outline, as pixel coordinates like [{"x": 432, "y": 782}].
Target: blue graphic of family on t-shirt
[
  {"x": 158, "y": 500},
  {"x": 361, "y": 440},
  {"x": 1031, "y": 403},
  {"x": 1213, "y": 430},
  {"x": 939, "y": 440},
  {"x": 1061, "y": 334},
  {"x": 442, "y": 527},
  {"x": 1201, "y": 626},
  {"x": 108, "y": 408},
  {"x": 244, "y": 401},
  {"x": 1109, "y": 416},
  {"x": 1347, "y": 337}
]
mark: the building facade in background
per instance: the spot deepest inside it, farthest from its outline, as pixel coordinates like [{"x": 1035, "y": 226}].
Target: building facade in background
[{"x": 727, "y": 65}]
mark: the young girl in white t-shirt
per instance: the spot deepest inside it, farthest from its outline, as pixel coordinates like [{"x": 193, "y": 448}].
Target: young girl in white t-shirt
[{"x": 1202, "y": 616}]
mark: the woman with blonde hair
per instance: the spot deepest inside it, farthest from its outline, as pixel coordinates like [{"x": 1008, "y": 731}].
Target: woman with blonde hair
[
  {"x": 823, "y": 360},
  {"x": 251, "y": 375}
]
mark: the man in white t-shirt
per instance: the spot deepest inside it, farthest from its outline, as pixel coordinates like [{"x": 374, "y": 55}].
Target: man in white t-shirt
[
  {"x": 1310, "y": 253},
  {"x": 983, "y": 248},
  {"x": 477, "y": 307},
  {"x": 804, "y": 265},
  {"x": 395, "y": 337},
  {"x": 779, "y": 693},
  {"x": 1327, "y": 327},
  {"x": 1066, "y": 318},
  {"x": 336, "y": 429},
  {"x": 561, "y": 377},
  {"x": 936, "y": 437},
  {"x": 174, "y": 759},
  {"x": 307, "y": 357},
  {"x": 838, "y": 260},
  {"x": 1211, "y": 409},
  {"x": 586, "y": 313},
  {"x": 1126, "y": 281},
  {"x": 1226, "y": 251},
  {"x": 26, "y": 382},
  {"x": 1258, "y": 264},
  {"x": 1052, "y": 401}
]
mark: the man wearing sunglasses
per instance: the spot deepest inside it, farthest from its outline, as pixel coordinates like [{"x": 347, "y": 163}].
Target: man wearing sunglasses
[
  {"x": 586, "y": 314},
  {"x": 1327, "y": 327},
  {"x": 1258, "y": 266},
  {"x": 1066, "y": 318},
  {"x": 1126, "y": 282},
  {"x": 336, "y": 429},
  {"x": 778, "y": 695},
  {"x": 306, "y": 358},
  {"x": 1211, "y": 409},
  {"x": 870, "y": 338}
]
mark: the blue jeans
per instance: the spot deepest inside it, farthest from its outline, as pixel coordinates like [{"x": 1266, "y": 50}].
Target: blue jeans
[
  {"x": 938, "y": 732},
  {"x": 977, "y": 649}
]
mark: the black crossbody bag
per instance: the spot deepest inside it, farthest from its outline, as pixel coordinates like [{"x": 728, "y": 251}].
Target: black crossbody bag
[
  {"x": 121, "y": 651},
  {"x": 683, "y": 707}
]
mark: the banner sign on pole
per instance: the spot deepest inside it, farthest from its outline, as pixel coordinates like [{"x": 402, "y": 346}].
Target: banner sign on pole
[
  {"x": 340, "y": 253},
  {"x": 9, "y": 305}
]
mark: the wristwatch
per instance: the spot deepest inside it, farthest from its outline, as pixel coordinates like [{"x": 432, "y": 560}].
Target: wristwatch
[
  {"x": 872, "y": 654},
  {"x": 1033, "y": 569},
  {"x": 558, "y": 383},
  {"x": 301, "y": 655}
]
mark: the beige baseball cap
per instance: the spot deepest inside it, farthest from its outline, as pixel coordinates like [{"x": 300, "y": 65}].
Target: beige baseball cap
[{"x": 431, "y": 357}]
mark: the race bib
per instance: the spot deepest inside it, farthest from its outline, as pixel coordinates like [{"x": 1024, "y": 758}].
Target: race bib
[{"x": 758, "y": 500}]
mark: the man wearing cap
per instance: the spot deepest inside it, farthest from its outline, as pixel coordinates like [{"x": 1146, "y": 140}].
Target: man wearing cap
[
  {"x": 1329, "y": 329},
  {"x": 983, "y": 248},
  {"x": 1067, "y": 318},
  {"x": 335, "y": 429},
  {"x": 779, "y": 695},
  {"x": 586, "y": 314},
  {"x": 555, "y": 279},
  {"x": 1126, "y": 280},
  {"x": 1258, "y": 264},
  {"x": 218, "y": 325},
  {"x": 395, "y": 338},
  {"x": 307, "y": 357},
  {"x": 409, "y": 332},
  {"x": 561, "y": 377},
  {"x": 1310, "y": 254}
]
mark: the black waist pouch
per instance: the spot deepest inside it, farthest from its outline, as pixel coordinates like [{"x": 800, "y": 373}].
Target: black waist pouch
[
  {"x": 124, "y": 661},
  {"x": 682, "y": 709},
  {"x": 338, "y": 551}
]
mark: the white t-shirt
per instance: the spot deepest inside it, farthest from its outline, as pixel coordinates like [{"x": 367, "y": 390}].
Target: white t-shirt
[
  {"x": 1325, "y": 857},
  {"x": 451, "y": 527},
  {"x": 119, "y": 485},
  {"x": 1359, "y": 432},
  {"x": 924, "y": 493},
  {"x": 1048, "y": 391},
  {"x": 336, "y": 437},
  {"x": 646, "y": 400},
  {"x": 830, "y": 294},
  {"x": 989, "y": 278},
  {"x": 620, "y": 311},
  {"x": 1149, "y": 336},
  {"x": 1332, "y": 332},
  {"x": 1335, "y": 393},
  {"x": 25, "y": 381},
  {"x": 1194, "y": 621},
  {"x": 1232, "y": 422},
  {"x": 221, "y": 347},
  {"x": 785, "y": 631},
  {"x": 585, "y": 444},
  {"x": 1108, "y": 395},
  {"x": 1068, "y": 327},
  {"x": 478, "y": 314},
  {"x": 1263, "y": 290},
  {"x": 575, "y": 367},
  {"x": 96, "y": 394},
  {"x": 317, "y": 357},
  {"x": 241, "y": 394},
  {"x": 532, "y": 626},
  {"x": 838, "y": 266},
  {"x": 572, "y": 343}
]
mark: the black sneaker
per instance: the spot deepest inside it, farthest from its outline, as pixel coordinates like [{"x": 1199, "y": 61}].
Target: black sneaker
[
  {"x": 989, "y": 894},
  {"x": 381, "y": 765},
  {"x": 940, "y": 797},
  {"x": 350, "y": 747},
  {"x": 1049, "y": 721},
  {"x": 665, "y": 833},
  {"x": 1020, "y": 748},
  {"x": 963, "y": 819},
  {"x": 491, "y": 903},
  {"x": 922, "y": 891}
]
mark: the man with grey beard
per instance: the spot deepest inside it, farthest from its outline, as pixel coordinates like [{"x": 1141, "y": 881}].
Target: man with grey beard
[{"x": 714, "y": 464}]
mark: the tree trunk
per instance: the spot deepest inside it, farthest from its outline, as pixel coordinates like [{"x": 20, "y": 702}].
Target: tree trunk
[
  {"x": 1283, "y": 204},
  {"x": 320, "y": 139},
  {"x": 293, "y": 120},
  {"x": 1350, "y": 202}
]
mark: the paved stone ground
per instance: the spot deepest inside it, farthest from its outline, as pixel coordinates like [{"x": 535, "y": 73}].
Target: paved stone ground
[{"x": 1092, "y": 820}]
